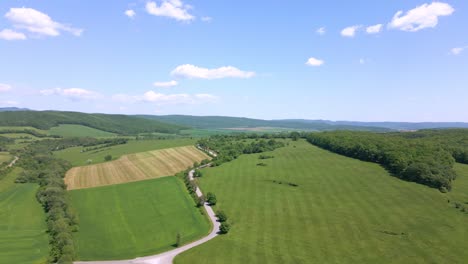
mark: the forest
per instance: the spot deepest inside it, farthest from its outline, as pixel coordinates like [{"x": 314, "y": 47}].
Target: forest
[{"x": 425, "y": 156}]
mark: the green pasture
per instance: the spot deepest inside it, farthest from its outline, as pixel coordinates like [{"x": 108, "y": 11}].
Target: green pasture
[
  {"x": 342, "y": 211},
  {"x": 125, "y": 221},
  {"x": 78, "y": 131},
  {"x": 23, "y": 237}
]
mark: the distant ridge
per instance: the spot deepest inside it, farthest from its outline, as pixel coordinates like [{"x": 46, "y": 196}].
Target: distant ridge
[
  {"x": 212, "y": 122},
  {"x": 120, "y": 124},
  {"x": 13, "y": 109}
]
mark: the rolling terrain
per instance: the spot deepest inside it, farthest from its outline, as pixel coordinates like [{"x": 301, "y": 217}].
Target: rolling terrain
[
  {"x": 134, "y": 167},
  {"x": 135, "y": 219},
  {"x": 119, "y": 124},
  {"x": 341, "y": 211}
]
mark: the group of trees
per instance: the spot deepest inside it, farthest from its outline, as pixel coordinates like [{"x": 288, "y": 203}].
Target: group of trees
[
  {"x": 31, "y": 132},
  {"x": 425, "y": 157},
  {"x": 119, "y": 124},
  {"x": 40, "y": 166},
  {"x": 229, "y": 148}
]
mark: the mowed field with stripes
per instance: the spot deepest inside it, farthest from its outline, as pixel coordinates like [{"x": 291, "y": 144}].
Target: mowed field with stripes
[
  {"x": 134, "y": 167},
  {"x": 342, "y": 211}
]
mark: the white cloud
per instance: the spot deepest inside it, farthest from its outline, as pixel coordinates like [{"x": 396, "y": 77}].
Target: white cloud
[
  {"x": 9, "y": 103},
  {"x": 165, "y": 99},
  {"x": 165, "y": 84},
  {"x": 38, "y": 22},
  {"x": 206, "y": 19},
  {"x": 130, "y": 13},
  {"x": 71, "y": 93},
  {"x": 424, "y": 16},
  {"x": 191, "y": 71},
  {"x": 8, "y": 34},
  {"x": 458, "y": 50},
  {"x": 314, "y": 62},
  {"x": 170, "y": 8},
  {"x": 5, "y": 87},
  {"x": 321, "y": 31},
  {"x": 362, "y": 61},
  {"x": 350, "y": 31},
  {"x": 374, "y": 29}
]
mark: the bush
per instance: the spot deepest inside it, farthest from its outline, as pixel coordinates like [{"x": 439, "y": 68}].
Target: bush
[
  {"x": 224, "y": 228},
  {"x": 108, "y": 158},
  {"x": 222, "y": 217},
  {"x": 211, "y": 198}
]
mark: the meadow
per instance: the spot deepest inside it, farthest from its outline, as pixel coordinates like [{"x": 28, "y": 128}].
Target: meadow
[
  {"x": 23, "y": 237},
  {"x": 135, "y": 219},
  {"x": 78, "y": 131},
  {"x": 134, "y": 167},
  {"x": 5, "y": 157},
  {"x": 78, "y": 158},
  {"x": 341, "y": 211}
]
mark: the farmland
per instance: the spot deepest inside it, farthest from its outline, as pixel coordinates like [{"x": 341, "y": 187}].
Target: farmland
[
  {"x": 341, "y": 211},
  {"x": 112, "y": 226},
  {"x": 78, "y": 158},
  {"x": 134, "y": 167},
  {"x": 23, "y": 237},
  {"x": 78, "y": 131}
]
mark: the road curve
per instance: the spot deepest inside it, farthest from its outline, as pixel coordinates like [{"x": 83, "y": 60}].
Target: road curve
[{"x": 168, "y": 257}]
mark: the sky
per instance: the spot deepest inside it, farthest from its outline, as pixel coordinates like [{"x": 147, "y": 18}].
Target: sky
[{"x": 398, "y": 60}]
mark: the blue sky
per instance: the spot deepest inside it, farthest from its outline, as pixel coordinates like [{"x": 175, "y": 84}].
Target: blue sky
[{"x": 262, "y": 59}]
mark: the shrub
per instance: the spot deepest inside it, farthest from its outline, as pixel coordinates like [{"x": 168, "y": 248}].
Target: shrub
[
  {"x": 224, "y": 228},
  {"x": 108, "y": 158},
  {"x": 211, "y": 198},
  {"x": 222, "y": 217}
]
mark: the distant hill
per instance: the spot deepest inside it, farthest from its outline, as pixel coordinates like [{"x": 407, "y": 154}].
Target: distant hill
[
  {"x": 213, "y": 122},
  {"x": 120, "y": 124},
  {"x": 390, "y": 125},
  {"x": 12, "y": 109}
]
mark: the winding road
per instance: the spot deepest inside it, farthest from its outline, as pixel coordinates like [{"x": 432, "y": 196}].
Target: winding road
[
  {"x": 13, "y": 162},
  {"x": 168, "y": 257}
]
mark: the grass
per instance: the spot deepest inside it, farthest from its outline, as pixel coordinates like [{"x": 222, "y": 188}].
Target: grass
[
  {"x": 78, "y": 158},
  {"x": 23, "y": 237},
  {"x": 342, "y": 211},
  {"x": 134, "y": 167},
  {"x": 5, "y": 157},
  {"x": 78, "y": 131},
  {"x": 135, "y": 219}
]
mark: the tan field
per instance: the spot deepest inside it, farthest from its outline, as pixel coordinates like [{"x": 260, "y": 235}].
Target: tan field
[{"x": 134, "y": 167}]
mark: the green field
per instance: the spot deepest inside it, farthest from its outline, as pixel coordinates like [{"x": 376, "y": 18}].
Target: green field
[
  {"x": 5, "y": 157},
  {"x": 23, "y": 237},
  {"x": 135, "y": 219},
  {"x": 343, "y": 211},
  {"x": 78, "y": 158},
  {"x": 78, "y": 131}
]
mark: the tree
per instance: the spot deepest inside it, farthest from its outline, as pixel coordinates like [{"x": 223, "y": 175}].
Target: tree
[
  {"x": 198, "y": 174},
  {"x": 224, "y": 228},
  {"x": 178, "y": 240},
  {"x": 108, "y": 158},
  {"x": 200, "y": 201},
  {"x": 211, "y": 198},
  {"x": 222, "y": 217}
]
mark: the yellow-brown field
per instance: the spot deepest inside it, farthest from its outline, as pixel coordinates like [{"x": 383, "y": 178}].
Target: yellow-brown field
[{"x": 134, "y": 167}]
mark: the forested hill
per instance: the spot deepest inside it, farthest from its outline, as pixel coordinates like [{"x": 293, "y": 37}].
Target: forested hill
[
  {"x": 120, "y": 124},
  {"x": 213, "y": 122}
]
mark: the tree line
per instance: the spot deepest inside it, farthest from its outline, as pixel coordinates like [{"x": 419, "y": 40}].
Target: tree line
[
  {"x": 425, "y": 156},
  {"x": 41, "y": 167}
]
